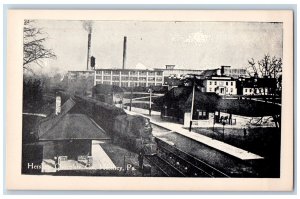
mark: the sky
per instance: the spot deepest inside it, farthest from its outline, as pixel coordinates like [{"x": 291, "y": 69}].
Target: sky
[{"x": 188, "y": 45}]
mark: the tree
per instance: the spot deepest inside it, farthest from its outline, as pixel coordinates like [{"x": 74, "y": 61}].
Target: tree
[
  {"x": 266, "y": 67},
  {"x": 34, "y": 50}
]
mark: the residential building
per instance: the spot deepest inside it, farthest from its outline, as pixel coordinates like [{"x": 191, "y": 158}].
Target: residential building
[
  {"x": 256, "y": 86},
  {"x": 222, "y": 85},
  {"x": 129, "y": 77}
]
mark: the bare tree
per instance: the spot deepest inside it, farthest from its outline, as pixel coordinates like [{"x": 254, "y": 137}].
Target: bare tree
[
  {"x": 266, "y": 67},
  {"x": 34, "y": 50}
]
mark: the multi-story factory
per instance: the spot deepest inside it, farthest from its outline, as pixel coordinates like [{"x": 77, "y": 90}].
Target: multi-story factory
[{"x": 129, "y": 77}]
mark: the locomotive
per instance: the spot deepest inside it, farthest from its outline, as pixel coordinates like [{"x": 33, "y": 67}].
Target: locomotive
[{"x": 133, "y": 132}]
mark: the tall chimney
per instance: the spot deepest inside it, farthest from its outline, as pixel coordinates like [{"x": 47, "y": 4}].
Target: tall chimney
[
  {"x": 57, "y": 104},
  {"x": 88, "y": 51},
  {"x": 124, "y": 52}
]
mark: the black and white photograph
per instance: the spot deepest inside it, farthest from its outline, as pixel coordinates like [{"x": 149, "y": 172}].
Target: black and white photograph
[{"x": 171, "y": 99}]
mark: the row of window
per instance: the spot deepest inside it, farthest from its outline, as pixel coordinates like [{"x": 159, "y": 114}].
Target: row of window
[
  {"x": 256, "y": 90},
  {"x": 215, "y": 90},
  {"x": 117, "y": 78},
  {"x": 132, "y": 84},
  {"x": 221, "y": 83},
  {"x": 141, "y": 73}
]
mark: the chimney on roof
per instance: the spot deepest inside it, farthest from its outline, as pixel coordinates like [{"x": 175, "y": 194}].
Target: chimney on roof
[
  {"x": 124, "y": 52},
  {"x": 57, "y": 104},
  {"x": 223, "y": 70}
]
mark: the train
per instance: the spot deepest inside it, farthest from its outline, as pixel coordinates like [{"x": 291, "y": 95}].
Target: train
[{"x": 133, "y": 132}]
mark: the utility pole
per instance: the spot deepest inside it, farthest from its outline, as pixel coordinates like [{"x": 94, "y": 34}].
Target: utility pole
[
  {"x": 130, "y": 98},
  {"x": 150, "y": 90},
  {"x": 192, "y": 107}
]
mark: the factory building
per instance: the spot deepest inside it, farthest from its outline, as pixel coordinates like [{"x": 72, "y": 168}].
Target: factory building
[{"x": 129, "y": 77}]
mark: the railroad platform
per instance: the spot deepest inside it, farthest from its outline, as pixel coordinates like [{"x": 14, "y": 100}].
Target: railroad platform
[
  {"x": 178, "y": 128},
  {"x": 101, "y": 161}
]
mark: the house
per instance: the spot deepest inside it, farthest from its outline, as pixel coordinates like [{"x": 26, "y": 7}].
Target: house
[
  {"x": 66, "y": 137},
  {"x": 176, "y": 104},
  {"x": 221, "y": 85},
  {"x": 256, "y": 86}
]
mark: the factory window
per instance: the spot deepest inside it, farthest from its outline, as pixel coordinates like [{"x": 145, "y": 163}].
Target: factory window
[
  {"x": 125, "y": 72},
  {"x": 143, "y": 73},
  {"x": 98, "y": 82},
  {"x": 106, "y": 82},
  {"x": 151, "y": 78},
  {"x": 133, "y": 78},
  {"x": 142, "y": 78},
  {"x": 116, "y": 72},
  {"x": 142, "y": 84},
  {"x": 116, "y": 78},
  {"x": 98, "y": 77},
  {"x": 115, "y": 83},
  {"x": 125, "y": 78},
  {"x": 124, "y": 84},
  {"x": 158, "y": 84},
  {"x": 159, "y": 73},
  {"x": 231, "y": 83},
  {"x": 107, "y": 72},
  {"x": 151, "y": 84},
  {"x": 106, "y": 77},
  {"x": 246, "y": 90},
  {"x": 210, "y": 89},
  {"x": 210, "y": 83},
  {"x": 231, "y": 90},
  {"x": 98, "y": 72},
  {"x": 226, "y": 83},
  {"x": 151, "y": 73},
  {"x": 215, "y": 83},
  {"x": 159, "y": 79},
  {"x": 133, "y": 73}
]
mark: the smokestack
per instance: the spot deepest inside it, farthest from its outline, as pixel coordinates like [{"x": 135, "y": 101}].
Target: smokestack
[
  {"x": 124, "y": 52},
  {"x": 88, "y": 51},
  {"x": 57, "y": 104},
  {"x": 88, "y": 26}
]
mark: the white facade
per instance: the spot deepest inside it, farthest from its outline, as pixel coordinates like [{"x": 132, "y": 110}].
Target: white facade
[
  {"x": 255, "y": 91},
  {"x": 220, "y": 85},
  {"x": 129, "y": 78}
]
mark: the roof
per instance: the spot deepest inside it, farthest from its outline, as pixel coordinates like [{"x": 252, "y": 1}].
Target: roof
[
  {"x": 65, "y": 126},
  {"x": 48, "y": 122},
  {"x": 208, "y": 73},
  {"x": 259, "y": 82},
  {"x": 73, "y": 126},
  {"x": 220, "y": 77},
  {"x": 182, "y": 98},
  {"x": 107, "y": 69}
]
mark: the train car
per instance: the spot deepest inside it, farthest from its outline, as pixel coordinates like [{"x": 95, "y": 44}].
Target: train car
[
  {"x": 131, "y": 132},
  {"x": 135, "y": 132}
]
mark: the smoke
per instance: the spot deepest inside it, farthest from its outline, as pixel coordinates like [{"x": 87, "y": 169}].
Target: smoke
[{"x": 88, "y": 26}]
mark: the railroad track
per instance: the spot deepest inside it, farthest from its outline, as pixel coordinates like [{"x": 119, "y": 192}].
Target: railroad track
[
  {"x": 166, "y": 168},
  {"x": 186, "y": 164}
]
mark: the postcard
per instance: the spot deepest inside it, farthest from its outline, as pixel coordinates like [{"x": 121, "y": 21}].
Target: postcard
[{"x": 150, "y": 100}]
